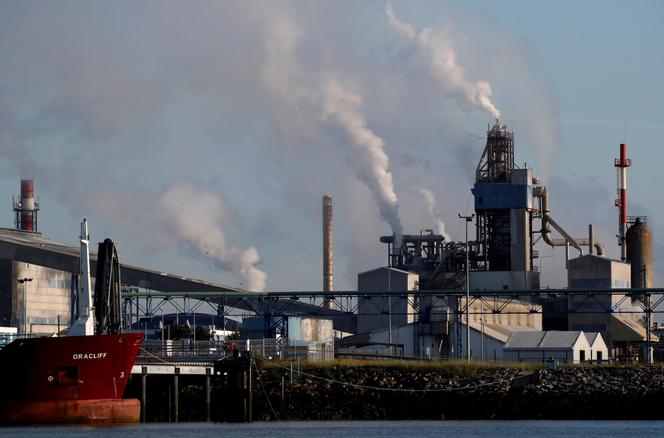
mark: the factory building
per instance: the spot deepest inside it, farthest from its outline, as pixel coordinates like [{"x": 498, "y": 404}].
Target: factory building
[
  {"x": 374, "y": 308},
  {"x": 40, "y": 298},
  {"x": 512, "y": 213},
  {"x": 38, "y": 276}
]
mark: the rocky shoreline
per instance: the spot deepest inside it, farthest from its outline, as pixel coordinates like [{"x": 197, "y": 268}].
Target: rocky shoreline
[
  {"x": 369, "y": 392},
  {"x": 419, "y": 391}
]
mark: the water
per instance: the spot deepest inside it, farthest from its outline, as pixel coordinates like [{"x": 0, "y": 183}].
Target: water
[{"x": 363, "y": 429}]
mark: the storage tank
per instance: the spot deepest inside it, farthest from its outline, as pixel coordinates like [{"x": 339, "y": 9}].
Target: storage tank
[{"x": 639, "y": 254}]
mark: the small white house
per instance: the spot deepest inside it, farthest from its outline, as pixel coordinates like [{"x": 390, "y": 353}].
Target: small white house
[
  {"x": 599, "y": 351},
  {"x": 564, "y": 346}
]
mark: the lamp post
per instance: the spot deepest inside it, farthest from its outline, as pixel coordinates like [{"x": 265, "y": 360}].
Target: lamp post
[
  {"x": 648, "y": 318},
  {"x": 22, "y": 281},
  {"x": 468, "y": 219},
  {"x": 389, "y": 310},
  {"x": 482, "y": 339}
]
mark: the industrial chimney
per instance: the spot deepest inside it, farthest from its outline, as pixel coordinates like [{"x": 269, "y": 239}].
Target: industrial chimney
[
  {"x": 638, "y": 245},
  {"x": 26, "y": 208},
  {"x": 328, "y": 249},
  {"x": 622, "y": 164}
]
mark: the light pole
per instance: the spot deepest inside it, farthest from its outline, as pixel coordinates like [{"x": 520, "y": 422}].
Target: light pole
[
  {"x": 468, "y": 220},
  {"x": 22, "y": 281},
  {"x": 389, "y": 310},
  {"x": 648, "y": 318},
  {"x": 482, "y": 333}
]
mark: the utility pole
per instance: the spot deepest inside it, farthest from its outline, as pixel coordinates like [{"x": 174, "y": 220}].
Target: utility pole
[
  {"x": 23, "y": 282},
  {"x": 468, "y": 219},
  {"x": 648, "y": 356},
  {"x": 389, "y": 309}
]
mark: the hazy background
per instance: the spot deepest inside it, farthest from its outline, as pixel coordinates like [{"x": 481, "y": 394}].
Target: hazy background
[{"x": 201, "y": 135}]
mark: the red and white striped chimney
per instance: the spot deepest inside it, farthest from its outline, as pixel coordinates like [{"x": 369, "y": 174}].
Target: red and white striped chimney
[
  {"x": 26, "y": 209},
  {"x": 622, "y": 164}
]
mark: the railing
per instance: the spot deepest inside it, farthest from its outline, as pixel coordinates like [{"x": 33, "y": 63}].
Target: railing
[
  {"x": 286, "y": 349},
  {"x": 187, "y": 351},
  {"x": 184, "y": 351}
]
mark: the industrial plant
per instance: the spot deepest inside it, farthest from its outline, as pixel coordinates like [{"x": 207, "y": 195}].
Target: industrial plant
[
  {"x": 512, "y": 214},
  {"x": 476, "y": 299}
]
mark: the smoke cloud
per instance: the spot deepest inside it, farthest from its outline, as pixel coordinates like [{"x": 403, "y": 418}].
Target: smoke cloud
[
  {"x": 434, "y": 212},
  {"x": 196, "y": 216},
  {"x": 107, "y": 104},
  {"x": 305, "y": 92},
  {"x": 372, "y": 164},
  {"x": 436, "y": 47}
]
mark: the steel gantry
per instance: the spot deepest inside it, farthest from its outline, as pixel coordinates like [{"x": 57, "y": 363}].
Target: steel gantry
[{"x": 347, "y": 304}]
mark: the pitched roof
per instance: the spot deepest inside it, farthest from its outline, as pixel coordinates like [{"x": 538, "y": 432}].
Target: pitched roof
[
  {"x": 560, "y": 339},
  {"x": 525, "y": 340},
  {"x": 543, "y": 340},
  {"x": 592, "y": 336}
]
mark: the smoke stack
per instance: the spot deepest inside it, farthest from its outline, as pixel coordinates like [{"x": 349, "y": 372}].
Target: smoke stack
[
  {"x": 26, "y": 209},
  {"x": 591, "y": 238},
  {"x": 328, "y": 248},
  {"x": 622, "y": 164}
]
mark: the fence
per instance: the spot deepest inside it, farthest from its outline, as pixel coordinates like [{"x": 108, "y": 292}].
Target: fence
[
  {"x": 186, "y": 351},
  {"x": 283, "y": 348}
]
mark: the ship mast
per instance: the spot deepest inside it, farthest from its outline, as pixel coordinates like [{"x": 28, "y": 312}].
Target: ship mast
[{"x": 84, "y": 325}]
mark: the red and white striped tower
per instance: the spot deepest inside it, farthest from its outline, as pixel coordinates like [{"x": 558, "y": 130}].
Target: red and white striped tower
[
  {"x": 622, "y": 164},
  {"x": 27, "y": 208}
]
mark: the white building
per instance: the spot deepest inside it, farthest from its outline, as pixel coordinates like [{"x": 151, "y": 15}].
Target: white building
[
  {"x": 599, "y": 351},
  {"x": 565, "y": 346}
]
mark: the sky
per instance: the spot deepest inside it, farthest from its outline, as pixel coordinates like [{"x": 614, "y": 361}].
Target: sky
[{"x": 201, "y": 136}]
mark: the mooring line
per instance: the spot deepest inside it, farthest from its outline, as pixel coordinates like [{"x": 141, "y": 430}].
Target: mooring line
[
  {"x": 377, "y": 388},
  {"x": 267, "y": 397}
]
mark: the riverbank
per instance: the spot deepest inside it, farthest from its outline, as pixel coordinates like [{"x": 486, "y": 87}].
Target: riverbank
[
  {"x": 398, "y": 391},
  {"x": 393, "y": 390}
]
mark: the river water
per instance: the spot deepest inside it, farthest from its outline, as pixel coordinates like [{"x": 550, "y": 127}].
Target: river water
[{"x": 364, "y": 429}]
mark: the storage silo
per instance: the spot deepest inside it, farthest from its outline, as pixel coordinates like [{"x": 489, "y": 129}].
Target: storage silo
[{"x": 639, "y": 254}]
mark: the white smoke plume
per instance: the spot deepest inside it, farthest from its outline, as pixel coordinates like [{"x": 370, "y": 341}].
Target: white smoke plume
[
  {"x": 303, "y": 92},
  {"x": 202, "y": 229},
  {"x": 434, "y": 212},
  {"x": 436, "y": 47},
  {"x": 372, "y": 163}
]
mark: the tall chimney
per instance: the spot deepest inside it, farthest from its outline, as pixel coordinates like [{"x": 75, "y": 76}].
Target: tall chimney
[
  {"x": 26, "y": 209},
  {"x": 328, "y": 249},
  {"x": 591, "y": 238},
  {"x": 622, "y": 164}
]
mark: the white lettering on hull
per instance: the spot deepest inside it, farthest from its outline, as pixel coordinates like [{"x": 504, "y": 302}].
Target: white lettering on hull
[{"x": 79, "y": 356}]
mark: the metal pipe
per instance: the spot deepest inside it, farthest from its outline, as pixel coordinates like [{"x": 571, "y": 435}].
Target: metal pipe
[
  {"x": 566, "y": 254},
  {"x": 548, "y": 222},
  {"x": 468, "y": 219}
]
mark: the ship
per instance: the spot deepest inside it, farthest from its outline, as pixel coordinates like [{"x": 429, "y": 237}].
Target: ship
[{"x": 80, "y": 376}]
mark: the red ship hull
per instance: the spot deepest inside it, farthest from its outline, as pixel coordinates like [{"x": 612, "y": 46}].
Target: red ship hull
[{"x": 68, "y": 379}]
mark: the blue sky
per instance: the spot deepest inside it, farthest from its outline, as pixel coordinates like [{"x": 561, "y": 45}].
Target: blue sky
[{"x": 114, "y": 107}]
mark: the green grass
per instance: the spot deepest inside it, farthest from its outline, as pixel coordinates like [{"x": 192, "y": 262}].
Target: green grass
[{"x": 451, "y": 367}]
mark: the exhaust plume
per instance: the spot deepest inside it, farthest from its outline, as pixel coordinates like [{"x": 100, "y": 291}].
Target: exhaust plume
[
  {"x": 436, "y": 48},
  {"x": 302, "y": 91},
  {"x": 372, "y": 163},
  {"x": 204, "y": 233},
  {"x": 434, "y": 212}
]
